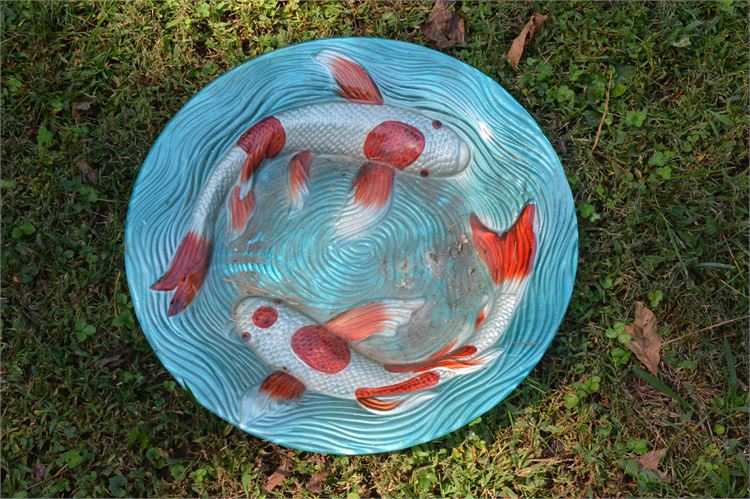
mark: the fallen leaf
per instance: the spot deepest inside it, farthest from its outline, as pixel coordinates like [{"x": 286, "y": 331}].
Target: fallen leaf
[
  {"x": 527, "y": 33},
  {"x": 114, "y": 360},
  {"x": 81, "y": 106},
  {"x": 646, "y": 342},
  {"x": 650, "y": 461},
  {"x": 39, "y": 470},
  {"x": 444, "y": 27},
  {"x": 315, "y": 484},
  {"x": 273, "y": 481},
  {"x": 92, "y": 174},
  {"x": 142, "y": 79}
]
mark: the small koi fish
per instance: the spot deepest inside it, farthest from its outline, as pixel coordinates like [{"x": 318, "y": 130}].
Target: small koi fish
[{"x": 384, "y": 138}]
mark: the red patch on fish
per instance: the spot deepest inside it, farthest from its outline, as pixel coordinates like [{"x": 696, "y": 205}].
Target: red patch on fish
[
  {"x": 321, "y": 350},
  {"x": 450, "y": 360},
  {"x": 263, "y": 140},
  {"x": 283, "y": 386},
  {"x": 373, "y": 185},
  {"x": 510, "y": 255},
  {"x": 393, "y": 142},
  {"x": 241, "y": 208},
  {"x": 187, "y": 271},
  {"x": 265, "y": 317}
]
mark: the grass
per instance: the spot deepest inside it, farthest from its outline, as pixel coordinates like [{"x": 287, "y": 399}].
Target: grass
[{"x": 87, "y": 409}]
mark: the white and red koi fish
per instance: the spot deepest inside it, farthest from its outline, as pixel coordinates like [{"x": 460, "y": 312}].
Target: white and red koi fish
[
  {"x": 384, "y": 138},
  {"x": 323, "y": 357}
]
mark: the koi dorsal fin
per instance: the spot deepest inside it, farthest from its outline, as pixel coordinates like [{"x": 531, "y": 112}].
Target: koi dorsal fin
[
  {"x": 380, "y": 317},
  {"x": 354, "y": 82}
]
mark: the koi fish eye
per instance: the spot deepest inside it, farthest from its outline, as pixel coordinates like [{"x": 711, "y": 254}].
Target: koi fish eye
[
  {"x": 246, "y": 336},
  {"x": 424, "y": 172},
  {"x": 265, "y": 317},
  {"x": 437, "y": 124}
]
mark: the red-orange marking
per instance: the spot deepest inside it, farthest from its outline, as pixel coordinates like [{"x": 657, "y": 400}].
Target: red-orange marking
[
  {"x": 241, "y": 208},
  {"x": 356, "y": 85},
  {"x": 508, "y": 256},
  {"x": 414, "y": 384},
  {"x": 359, "y": 323},
  {"x": 265, "y": 317},
  {"x": 187, "y": 272},
  {"x": 321, "y": 350},
  {"x": 263, "y": 140},
  {"x": 448, "y": 361},
  {"x": 373, "y": 185},
  {"x": 282, "y": 385},
  {"x": 479, "y": 320},
  {"x": 393, "y": 142}
]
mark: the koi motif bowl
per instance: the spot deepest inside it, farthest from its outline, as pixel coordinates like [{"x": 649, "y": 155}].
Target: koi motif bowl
[{"x": 351, "y": 245}]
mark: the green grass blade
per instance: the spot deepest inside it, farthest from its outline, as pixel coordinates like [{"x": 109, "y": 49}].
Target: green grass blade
[{"x": 660, "y": 386}]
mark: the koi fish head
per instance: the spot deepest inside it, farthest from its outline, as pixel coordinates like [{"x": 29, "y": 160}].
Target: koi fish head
[
  {"x": 444, "y": 154},
  {"x": 256, "y": 316}
]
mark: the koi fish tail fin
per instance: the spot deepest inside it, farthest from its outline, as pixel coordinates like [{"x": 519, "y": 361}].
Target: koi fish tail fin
[
  {"x": 187, "y": 271},
  {"x": 369, "y": 201},
  {"x": 276, "y": 394},
  {"x": 391, "y": 397},
  {"x": 299, "y": 178},
  {"x": 509, "y": 256},
  {"x": 383, "y": 317}
]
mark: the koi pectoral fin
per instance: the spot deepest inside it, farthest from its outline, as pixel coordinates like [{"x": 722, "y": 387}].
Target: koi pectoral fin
[
  {"x": 274, "y": 395},
  {"x": 369, "y": 201},
  {"x": 187, "y": 271},
  {"x": 354, "y": 82},
  {"x": 299, "y": 177},
  {"x": 382, "y": 317},
  {"x": 239, "y": 210},
  {"x": 371, "y": 398}
]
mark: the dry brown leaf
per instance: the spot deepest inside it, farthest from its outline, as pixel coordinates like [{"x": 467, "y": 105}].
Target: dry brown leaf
[
  {"x": 650, "y": 461},
  {"x": 444, "y": 27},
  {"x": 114, "y": 360},
  {"x": 646, "y": 342},
  {"x": 315, "y": 485},
  {"x": 527, "y": 33},
  {"x": 92, "y": 174},
  {"x": 273, "y": 481},
  {"x": 81, "y": 106}
]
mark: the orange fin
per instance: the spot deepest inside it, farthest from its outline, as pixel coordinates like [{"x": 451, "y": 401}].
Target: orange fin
[
  {"x": 370, "y": 201},
  {"x": 377, "y": 404},
  {"x": 382, "y": 317},
  {"x": 451, "y": 360},
  {"x": 299, "y": 176},
  {"x": 507, "y": 256},
  {"x": 187, "y": 271},
  {"x": 240, "y": 209},
  {"x": 282, "y": 385},
  {"x": 354, "y": 82},
  {"x": 419, "y": 382}
]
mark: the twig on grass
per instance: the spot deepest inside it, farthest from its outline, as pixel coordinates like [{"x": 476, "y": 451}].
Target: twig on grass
[
  {"x": 707, "y": 328},
  {"x": 604, "y": 114}
]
